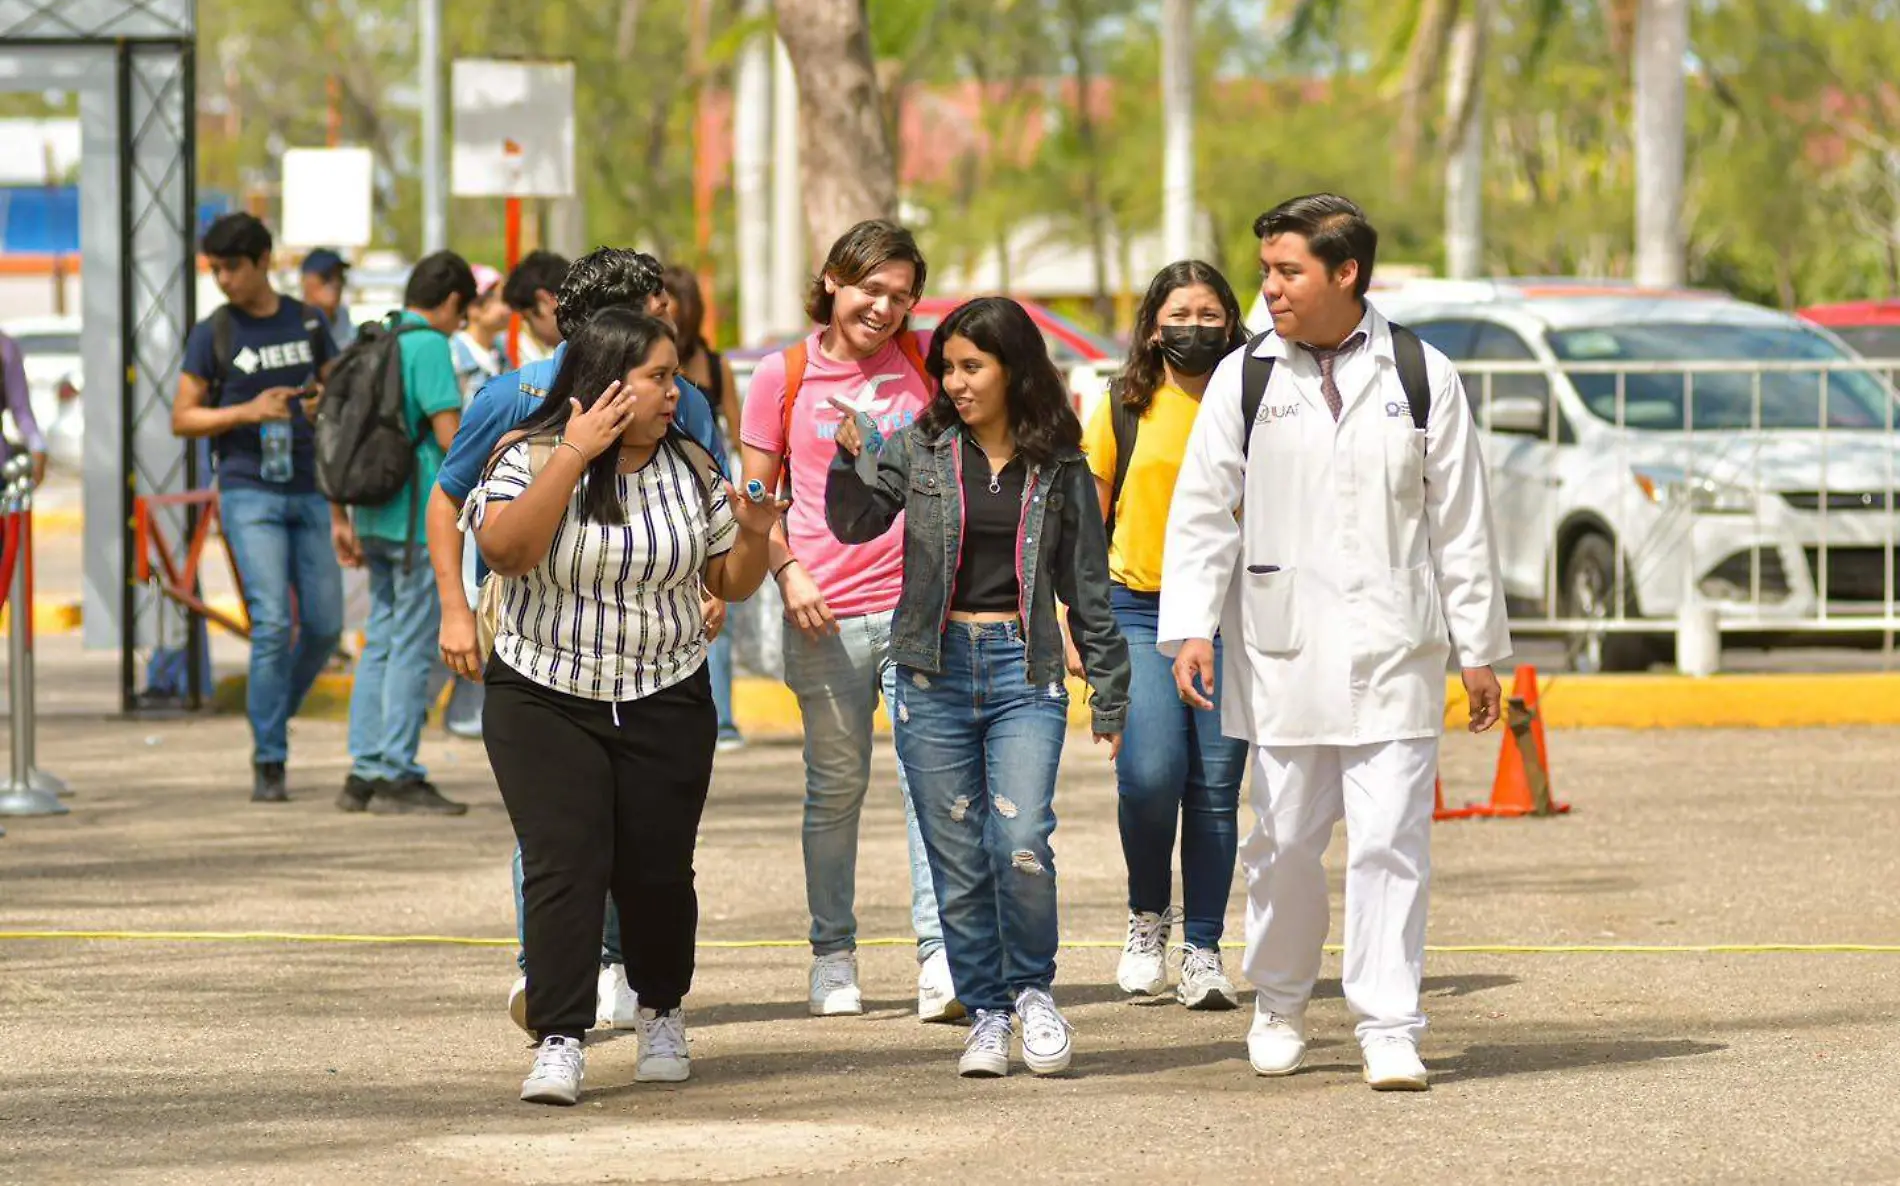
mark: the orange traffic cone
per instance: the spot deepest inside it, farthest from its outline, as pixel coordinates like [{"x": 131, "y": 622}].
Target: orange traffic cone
[
  {"x": 1442, "y": 812},
  {"x": 1522, "y": 786}
]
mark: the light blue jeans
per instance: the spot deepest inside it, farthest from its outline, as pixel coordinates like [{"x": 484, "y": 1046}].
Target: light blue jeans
[
  {"x": 981, "y": 746},
  {"x": 281, "y": 542},
  {"x": 389, "y": 700},
  {"x": 838, "y": 679},
  {"x": 719, "y": 666}
]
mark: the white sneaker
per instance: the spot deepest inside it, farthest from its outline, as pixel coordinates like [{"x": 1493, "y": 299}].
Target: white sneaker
[
  {"x": 986, "y": 1050},
  {"x": 1144, "y": 965},
  {"x": 936, "y": 995},
  {"x": 1392, "y": 1064},
  {"x": 1046, "y": 1044},
  {"x": 1204, "y": 984},
  {"x": 518, "y": 1003},
  {"x": 834, "y": 985},
  {"x": 1276, "y": 1043},
  {"x": 559, "y": 1067},
  {"x": 615, "y": 1005},
  {"x": 663, "y": 1056}
]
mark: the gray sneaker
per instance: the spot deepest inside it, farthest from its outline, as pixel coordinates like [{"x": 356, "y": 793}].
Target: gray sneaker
[
  {"x": 559, "y": 1067},
  {"x": 267, "y": 783}
]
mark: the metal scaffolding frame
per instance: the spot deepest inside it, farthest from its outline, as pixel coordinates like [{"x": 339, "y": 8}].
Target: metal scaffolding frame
[{"x": 152, "y": 46}]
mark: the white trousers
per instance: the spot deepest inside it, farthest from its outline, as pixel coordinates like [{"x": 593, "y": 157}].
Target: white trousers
[{"x": 1384, "y": 792}]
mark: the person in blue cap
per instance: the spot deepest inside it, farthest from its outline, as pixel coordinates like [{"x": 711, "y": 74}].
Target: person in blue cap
[{"x": 323, "y": 274}]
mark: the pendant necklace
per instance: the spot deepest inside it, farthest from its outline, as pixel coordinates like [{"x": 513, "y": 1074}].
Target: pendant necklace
[{"x": 996, "y": 476}]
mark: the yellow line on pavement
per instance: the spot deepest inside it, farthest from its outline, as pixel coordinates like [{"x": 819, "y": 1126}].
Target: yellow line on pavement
[{"x": 1101, "y": 944}]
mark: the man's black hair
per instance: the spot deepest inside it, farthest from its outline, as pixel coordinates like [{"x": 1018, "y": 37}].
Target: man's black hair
[
  {"x": 438, "y": 277},
  {"x": 537, "y": 270},
  {"x": 237, "y": 236},
  {"x": 607, "y": 278},
  {"x": 1334, "y": 228}
]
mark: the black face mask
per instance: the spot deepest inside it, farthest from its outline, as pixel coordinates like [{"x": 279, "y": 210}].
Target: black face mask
[{"x": 1193, "y": 349}]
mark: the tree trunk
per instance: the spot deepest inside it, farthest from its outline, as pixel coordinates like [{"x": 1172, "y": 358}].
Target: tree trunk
[
  {"x": 1422, "y": 58},
  {"x": 1177, "y": 120},
  {"x": 790, "y": 273},
  {"x": 849, "y": 172},
  {"x": 751, "y": 180},
  {"x": 1092, "y": 210},
  {"x": 1662, "y": 44},
  {"x": 1464, "y": 155}
]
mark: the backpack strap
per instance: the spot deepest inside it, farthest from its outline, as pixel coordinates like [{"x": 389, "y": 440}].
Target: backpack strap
[
  {"x": 910, "y": 345},
  {"x": 797, "y": 357},
  {"x": 1410, "y": 355},
  {"x": 1255, "y": 374},
  {"x": 1127, "y": 426},
  {"x": 223, "y": 350}
]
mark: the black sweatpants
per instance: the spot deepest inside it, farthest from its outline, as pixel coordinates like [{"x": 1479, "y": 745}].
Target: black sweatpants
[{"x": 600, "y": 806}]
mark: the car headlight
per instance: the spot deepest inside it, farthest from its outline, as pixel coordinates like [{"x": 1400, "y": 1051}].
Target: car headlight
[{"x": 1674, "y": 489}]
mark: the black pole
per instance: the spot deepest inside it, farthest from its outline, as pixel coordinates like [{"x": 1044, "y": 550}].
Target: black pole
[
  {"x": 128, "y": 395},
  {"x": 195, "y": 637}
]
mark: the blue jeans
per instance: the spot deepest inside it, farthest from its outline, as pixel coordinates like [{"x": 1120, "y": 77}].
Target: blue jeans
[
  {"x": 281, "y": 542},
  {"x": 390, "y": 698},
  {"x": 719, "y": 666},
  {"x": 837, "y": 680},
  {"x": 609, "y": 934},
  {"x": 1175, "y": 764},
  {"x": 981, "y": 746}
]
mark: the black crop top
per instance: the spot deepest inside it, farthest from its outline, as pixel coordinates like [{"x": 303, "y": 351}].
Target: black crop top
[{"x": 986, "y": 572}]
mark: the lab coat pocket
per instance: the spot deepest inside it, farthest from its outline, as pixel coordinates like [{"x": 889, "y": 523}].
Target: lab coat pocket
[
  {"x": 1270, "y": 613},
  {"x": 1405, "y": 462},
  {"x": 1412, "y": 611}
]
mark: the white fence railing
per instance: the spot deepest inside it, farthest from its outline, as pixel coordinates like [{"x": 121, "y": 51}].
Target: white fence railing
[{"x": 1631, "y": 499}]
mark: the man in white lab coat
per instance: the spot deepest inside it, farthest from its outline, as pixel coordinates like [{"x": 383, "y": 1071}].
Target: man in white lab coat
[{"x": 1361, "y": 554}]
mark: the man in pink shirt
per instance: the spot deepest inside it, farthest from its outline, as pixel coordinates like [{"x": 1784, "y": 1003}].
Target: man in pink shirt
[{"x": 839, "y": 599}]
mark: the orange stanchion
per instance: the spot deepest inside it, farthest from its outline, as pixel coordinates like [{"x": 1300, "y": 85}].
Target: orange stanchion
[{"x": 1522, "y": 786}]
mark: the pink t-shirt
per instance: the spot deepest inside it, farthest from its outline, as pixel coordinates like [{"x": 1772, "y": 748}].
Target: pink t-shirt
[{"x": 867, "y": 578}]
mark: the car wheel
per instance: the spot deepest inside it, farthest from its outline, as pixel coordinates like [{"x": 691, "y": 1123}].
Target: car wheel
[{"x": 1588, "y": 592}]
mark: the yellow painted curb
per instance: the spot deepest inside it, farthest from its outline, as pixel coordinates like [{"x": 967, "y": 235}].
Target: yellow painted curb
[
  {"x": 49, "y": 617},
  {"x": 58, "y": 521},
  {"x": 1717, "y": 702}
]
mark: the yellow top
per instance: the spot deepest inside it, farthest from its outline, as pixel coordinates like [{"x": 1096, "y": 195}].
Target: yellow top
[{"x": 1141, "y": 515}]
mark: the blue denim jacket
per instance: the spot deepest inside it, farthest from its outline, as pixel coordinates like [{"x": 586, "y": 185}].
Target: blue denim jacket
[{"x": 1062, "y": 552}]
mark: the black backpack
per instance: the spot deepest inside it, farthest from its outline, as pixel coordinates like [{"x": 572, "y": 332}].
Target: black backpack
[
  {"x": 1255, "y": 374},
  {"x": 366, "y": 454}
]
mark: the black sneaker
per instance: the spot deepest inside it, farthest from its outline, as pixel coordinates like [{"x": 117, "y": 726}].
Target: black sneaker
[
  {"x": 356, "y": 792},
  {"x": 413, "y": 796},
  {"x": 267, "y": 783}
]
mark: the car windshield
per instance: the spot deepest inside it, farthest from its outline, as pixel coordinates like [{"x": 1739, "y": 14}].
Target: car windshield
[
  {"x": 1060, "y": 352},
  {"x": 1654, "y": 399}
]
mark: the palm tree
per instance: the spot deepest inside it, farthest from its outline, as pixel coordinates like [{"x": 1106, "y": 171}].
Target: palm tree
[{"x": 850, "y": 172}]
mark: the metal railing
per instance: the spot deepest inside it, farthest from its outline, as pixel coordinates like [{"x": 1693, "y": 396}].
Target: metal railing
[{"x": 1751, "y": 496}]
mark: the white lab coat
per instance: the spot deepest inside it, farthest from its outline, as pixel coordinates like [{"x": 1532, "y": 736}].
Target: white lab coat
[{"x": 1361, "y": 545}]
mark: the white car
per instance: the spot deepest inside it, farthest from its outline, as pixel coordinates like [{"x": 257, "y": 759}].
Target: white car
[
  {"x": 1673, "y": 480},
  {"x": 54, "y": 380}
]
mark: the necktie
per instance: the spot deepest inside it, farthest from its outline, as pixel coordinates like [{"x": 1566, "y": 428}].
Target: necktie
[{"x": 1326, "y": 359}]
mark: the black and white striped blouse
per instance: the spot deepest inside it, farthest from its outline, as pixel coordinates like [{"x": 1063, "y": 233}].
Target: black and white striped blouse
[{"x": 613, "y": 612}]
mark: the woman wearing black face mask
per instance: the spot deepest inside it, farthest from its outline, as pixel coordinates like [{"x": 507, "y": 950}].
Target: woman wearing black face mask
[{"x": 1175, "y": 764}]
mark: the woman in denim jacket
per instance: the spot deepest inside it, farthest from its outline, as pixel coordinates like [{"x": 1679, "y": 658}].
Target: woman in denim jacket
[{"x": 1001, "y": 522}]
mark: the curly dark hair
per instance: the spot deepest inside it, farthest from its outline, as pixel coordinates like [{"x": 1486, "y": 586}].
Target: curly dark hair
[
  {"x": 1040, "y": 416},
  {"x": 599, "y": 353},
  {"x": 1141, "y": 374},
  {"x": 606, "y": 278}
]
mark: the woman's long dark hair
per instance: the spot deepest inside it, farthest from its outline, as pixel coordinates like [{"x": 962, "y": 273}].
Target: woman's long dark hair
[
  {"x": 1142, "y": 374},
  {"x": 607, "y": 346},
  {"x": 1037, "y": 400}
]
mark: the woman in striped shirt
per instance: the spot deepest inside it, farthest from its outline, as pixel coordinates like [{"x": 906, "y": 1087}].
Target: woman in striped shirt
[{"x": 607, "y": 525}]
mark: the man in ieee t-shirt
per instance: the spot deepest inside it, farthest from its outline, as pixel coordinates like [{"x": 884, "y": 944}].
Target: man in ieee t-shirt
[{"x": 279, "y": 531}]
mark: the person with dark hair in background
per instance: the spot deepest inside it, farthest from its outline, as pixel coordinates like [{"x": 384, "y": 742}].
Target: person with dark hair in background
[
  {"x": 322, "y": 277},
  {"x": 606, "y": 278},
  {"x": 389, "y": 698},
  {"x": 839, "y": 601},
  {"x": 477, "y": 346},
  {"x": 532, "y": 291},
  {"x": 1360, "y": 561},
  {"x": 1000, "y": 522},
  {"x": 708, "y": 370},
  {"x": 608, "y": 525},
  {"x": 1177, "y": 767},
  {"x": 247, "y": 370}
]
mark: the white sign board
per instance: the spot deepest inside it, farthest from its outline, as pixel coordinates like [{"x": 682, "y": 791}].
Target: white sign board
[
  {"x": 327, "y": 197},
  {"x": 514, "y": 129}
]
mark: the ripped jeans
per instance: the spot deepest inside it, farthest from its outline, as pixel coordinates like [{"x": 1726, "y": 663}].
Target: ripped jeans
[{"x": 980, "y": 746}]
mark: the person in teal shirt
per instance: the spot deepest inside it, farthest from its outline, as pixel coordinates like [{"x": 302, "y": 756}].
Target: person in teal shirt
[{"x": 389, "y": 699}]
